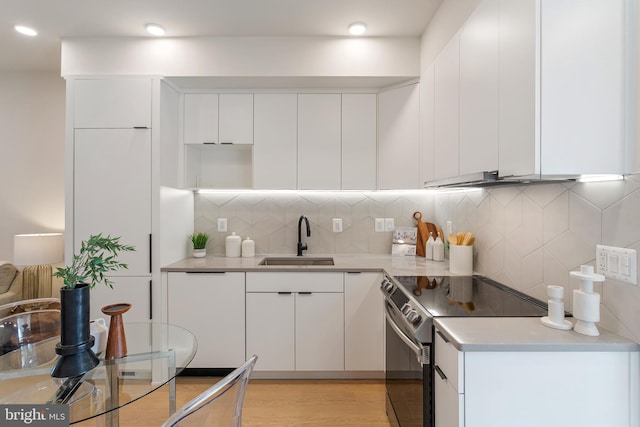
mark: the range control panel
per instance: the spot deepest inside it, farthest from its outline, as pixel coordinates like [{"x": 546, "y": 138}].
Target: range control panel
[{"x": 617, "y": 263}]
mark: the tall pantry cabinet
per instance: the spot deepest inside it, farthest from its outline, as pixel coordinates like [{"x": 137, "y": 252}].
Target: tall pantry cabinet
[{"x": 110, "y": 183}]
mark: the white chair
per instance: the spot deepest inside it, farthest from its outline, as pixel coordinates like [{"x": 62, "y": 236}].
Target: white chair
[{"x": 220, "y": 405}]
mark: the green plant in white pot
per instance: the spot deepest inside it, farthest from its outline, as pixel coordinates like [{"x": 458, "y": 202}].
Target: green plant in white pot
[
  {"x": 199, "y": 242},
  {"x": 97, "y": 256}
]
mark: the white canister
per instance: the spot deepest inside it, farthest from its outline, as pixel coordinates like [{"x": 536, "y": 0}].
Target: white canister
[
  {"x": 232, "y": 246},
  {"x": 248, "y": 248},
  {"x": 461, "y": 259},
  {"x": 438, "y": 250}
]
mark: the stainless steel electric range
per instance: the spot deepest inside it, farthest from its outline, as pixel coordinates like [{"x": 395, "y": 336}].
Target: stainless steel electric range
[{"x": 411, "y": 303}]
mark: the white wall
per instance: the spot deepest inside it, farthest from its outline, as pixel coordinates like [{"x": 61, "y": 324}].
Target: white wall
[{"x": 32, "y": 120}]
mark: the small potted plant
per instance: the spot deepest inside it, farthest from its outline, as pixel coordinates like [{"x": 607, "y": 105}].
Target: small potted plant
[
  {"x": 97, "y": 256},
  {"x": 199, "y": 241}
]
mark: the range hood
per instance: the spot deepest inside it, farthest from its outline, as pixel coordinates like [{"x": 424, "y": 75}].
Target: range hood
[{"x": 492, "y": 179}]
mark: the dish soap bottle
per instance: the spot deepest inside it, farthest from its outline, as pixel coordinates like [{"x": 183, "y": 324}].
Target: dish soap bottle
[
  {"x": 232, "y": 246},
  {"x": 248, "y": 248}
]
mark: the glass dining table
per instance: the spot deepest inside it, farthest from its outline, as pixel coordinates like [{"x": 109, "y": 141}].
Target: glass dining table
[{"x": 157, "y": 353}]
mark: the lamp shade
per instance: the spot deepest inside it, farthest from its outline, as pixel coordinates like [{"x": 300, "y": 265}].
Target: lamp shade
[{"x": 38, "y": 249}]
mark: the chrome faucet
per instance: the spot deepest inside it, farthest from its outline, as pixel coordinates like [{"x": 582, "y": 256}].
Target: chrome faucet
[{"x": 302, "y": 247}]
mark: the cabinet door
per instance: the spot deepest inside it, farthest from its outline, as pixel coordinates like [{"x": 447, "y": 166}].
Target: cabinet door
[
  {"x": 319, "y": 332},
  {"x": 212, "y": 307},
  {"x": 271, "y": 330},
  {"x": 399, "y": 134},
  {"x": 427, "y": 105},
  {"x": 235, "y": 118},
  {"x": 518, "y": 135},
  {"x": 363, "y": 322},
  {"x": 201, "y": 118},
  {"x": 446, "y": 113},
  {"x": 275, "y": 141},
  {"x": 479, "y": 87},
  {"x": 112, "y": 103},
  {"x": 133, "y": 290},
  {"x": 112, "y": 191},
  {"x": 449, "y": 405},
  {"x": 319, "y": 142},
  {"x": 359, "y": 130}
]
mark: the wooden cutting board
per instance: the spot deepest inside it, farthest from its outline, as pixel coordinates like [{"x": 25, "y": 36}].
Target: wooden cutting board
[{"x": 424, "y": 229}]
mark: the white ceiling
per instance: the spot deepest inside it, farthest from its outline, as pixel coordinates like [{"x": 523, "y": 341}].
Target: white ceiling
[{"x": 55, "y": 20}]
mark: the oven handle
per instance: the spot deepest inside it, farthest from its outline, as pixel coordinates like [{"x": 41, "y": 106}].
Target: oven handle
[{"x": 419, "y": 351}]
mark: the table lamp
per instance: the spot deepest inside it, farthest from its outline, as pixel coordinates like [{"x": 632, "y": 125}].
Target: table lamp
[{"x": 37, "y": 252}]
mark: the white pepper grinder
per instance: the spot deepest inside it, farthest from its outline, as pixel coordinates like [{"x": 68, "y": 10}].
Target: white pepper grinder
[{"x": 232, "y": 246}]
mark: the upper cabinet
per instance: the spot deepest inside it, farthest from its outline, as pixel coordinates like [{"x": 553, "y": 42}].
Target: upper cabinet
[
  {"x": 211, "y": 118},
  {"x": 564, "y": 66},
  {"x": 112, "y": 103},
  {"x": 398, "y": 138},
  {"x": 479, "y": 86},
  {"x": 359, "y": 138},
  {"x": 319, "y": 141}
]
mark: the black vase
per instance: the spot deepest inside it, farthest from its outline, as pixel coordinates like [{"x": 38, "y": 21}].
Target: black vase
[{"x": 76, "y": 357}]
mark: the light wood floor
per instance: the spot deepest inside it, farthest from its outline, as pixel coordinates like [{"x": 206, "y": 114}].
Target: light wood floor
[{"x": 282, "y": 403}]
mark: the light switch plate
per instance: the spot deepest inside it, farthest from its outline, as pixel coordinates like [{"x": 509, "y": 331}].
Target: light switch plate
[
  {"x": 222, "y": 225},
  {"x": 389, "y": 224},
  {"x": 337, "y": 225},
  {"x": 379, "y": 225},
  {"x": 617, "y": 263}
]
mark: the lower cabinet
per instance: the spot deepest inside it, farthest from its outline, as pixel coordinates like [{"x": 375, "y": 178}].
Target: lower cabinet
[
  {"x": 534, "y": 388},
  {"x": 295, "y": 321},
  {"x": 212, "y": 307},
  {"x": 363, "y": 322}
]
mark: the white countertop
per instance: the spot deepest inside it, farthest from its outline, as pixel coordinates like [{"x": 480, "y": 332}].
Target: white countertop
[
  {"x": 524, "y": 334},
  {"x": 394, "y": 265}
]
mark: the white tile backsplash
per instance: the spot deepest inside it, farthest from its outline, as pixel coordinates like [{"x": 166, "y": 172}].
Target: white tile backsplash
[{"x": 528, "y": 237}]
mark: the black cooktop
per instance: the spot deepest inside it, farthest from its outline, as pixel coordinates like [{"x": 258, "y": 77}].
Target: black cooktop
[{"x": 460, "y": 296}]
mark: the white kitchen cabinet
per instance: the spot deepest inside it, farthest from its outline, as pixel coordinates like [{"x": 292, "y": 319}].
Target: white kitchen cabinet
[
  {"x": 275, "y": 141},
  {"x": 427, "y": 123},
  {"x": 112, "y": 191},
  {"x": 304, "y": 313},
  {"x": 495, "y": 386},
  {"x": 319, "y": 141},
  {"x": 447, "y": 111},
  {"x": 479, "y": 90},
  {"x": 363, "y": 322},
  {"x": 136, "y": 291},
  {"x": 359, "y": 137},
  {"x": 201, "y": 118},
  {"x": 112, "y": 103},
  {"x": 212, "y": 307},
  {"x": 564, "y": 68},
  {"x": 398, "y": 138},
  {"x": 235, "y": 118}
]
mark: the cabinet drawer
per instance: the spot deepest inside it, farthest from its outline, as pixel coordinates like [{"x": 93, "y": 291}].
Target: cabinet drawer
[
  {"x": 449, "y": 361},
  {"x": 295, "y": 282}
]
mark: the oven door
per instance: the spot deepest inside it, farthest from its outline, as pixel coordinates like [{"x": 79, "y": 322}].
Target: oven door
[{"x": 407, "y": 376}]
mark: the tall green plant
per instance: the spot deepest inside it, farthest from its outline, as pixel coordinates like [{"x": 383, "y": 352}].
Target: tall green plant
[
  {"x": 199, "y": 240},
  {"x": 98, "y": 255}
]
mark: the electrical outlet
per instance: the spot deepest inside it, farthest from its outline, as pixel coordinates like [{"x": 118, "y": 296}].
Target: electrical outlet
[
  {"x": 389, "y": 224},
  {"x": 617, "y": 263},
  {"x": 222, "y": 225},
  {"x": 337, "y": 225},
  {"x": 379, "y": 225}
]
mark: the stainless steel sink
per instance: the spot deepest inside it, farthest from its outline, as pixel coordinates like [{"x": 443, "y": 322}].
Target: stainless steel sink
[{"x": 296, "y": 261}]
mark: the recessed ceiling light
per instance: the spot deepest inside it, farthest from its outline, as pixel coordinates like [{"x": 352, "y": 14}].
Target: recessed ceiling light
[
  {"x": 155, "y": 29},
  {"x": 25, "y": 30},
  {"x": 357, "y": 28}
]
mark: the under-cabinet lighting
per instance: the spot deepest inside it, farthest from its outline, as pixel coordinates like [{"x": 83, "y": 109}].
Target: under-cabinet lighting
[
  {"x": 600, "y": 178},
  {"x": 333, "y": 193},
  {"x": 357, "y": 28},
  {"x": 25, "y": 30},
  {"x": 155, "y": 29}
]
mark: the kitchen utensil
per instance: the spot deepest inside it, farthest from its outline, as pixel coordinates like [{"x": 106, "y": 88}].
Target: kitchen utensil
[{"x": 423, "y": 234}]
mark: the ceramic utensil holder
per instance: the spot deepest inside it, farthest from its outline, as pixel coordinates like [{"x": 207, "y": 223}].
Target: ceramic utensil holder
[{"x": 461, "y": 259}]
